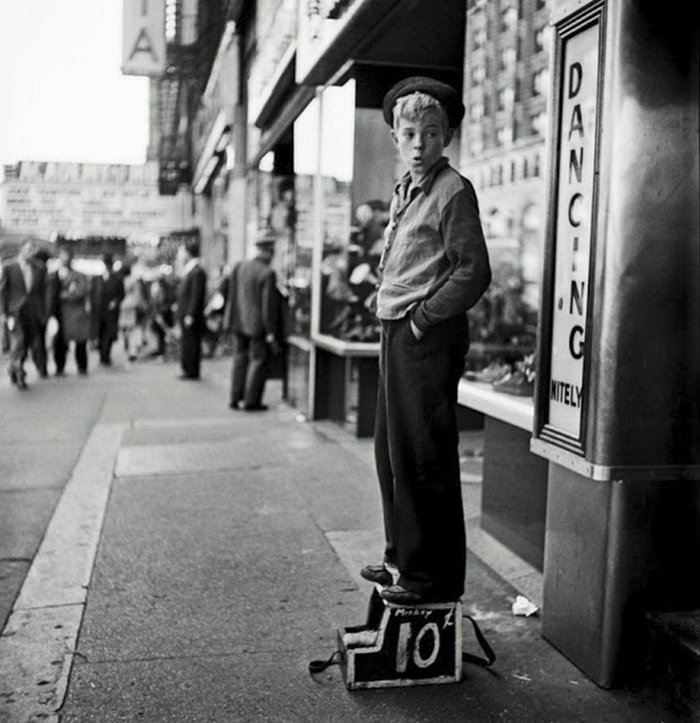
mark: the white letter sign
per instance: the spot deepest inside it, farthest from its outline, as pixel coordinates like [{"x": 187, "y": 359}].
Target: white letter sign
[
  {"x": 143, "y": 44},
  {"x": 575, "y": 190}
]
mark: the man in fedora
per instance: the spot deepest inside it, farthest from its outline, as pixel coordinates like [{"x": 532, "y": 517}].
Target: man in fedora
[
  {"x": 252, "y": 312},
  {"x": 23, "y": 310},
  {"x": 190, "y": 309}
]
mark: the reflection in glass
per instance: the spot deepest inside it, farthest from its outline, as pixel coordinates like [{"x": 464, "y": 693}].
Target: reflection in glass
[
  {"x": 306, "y": 135},
  {"x": 357, "y": 164}
]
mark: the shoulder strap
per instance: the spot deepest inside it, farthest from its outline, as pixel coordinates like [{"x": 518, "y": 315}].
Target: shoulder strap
[{"x": 490, "y": 658}]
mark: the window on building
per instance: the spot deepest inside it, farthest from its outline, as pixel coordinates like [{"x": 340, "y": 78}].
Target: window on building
[
  {"x": 526, "y": 168},
  {"x": 478, "y": 74},
  {"x": 539, "y": 124},
  {"x": 476, "y": 111},
  {"x": 540, "y": 81},
  {"x": 536, "y": 165},
  {"x": 541, "y": 39},
  {"x": 506, "y": 59},
  {"x": 505, "y": 98},
  {"x": 504, "y": 135},
  {"x": 509, "y": 19},
  {"x": 479, "y": 37},
  {"x": 512, "y": 171}
]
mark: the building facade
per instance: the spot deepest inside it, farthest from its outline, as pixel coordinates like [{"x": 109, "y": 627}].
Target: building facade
[{"x": 77, "y": 200}]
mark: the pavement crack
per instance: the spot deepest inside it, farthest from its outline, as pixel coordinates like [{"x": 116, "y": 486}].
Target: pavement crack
[
  {"x": 200, "y": 473},
  {"x": 200, "y": 656},
  {"x": 57, "y": 606}
]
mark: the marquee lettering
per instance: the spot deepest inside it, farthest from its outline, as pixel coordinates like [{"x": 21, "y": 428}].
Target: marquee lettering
[
  {"x": 576, "y": 163},
  {"x": 575, "y": 78},
  {"x": 143, "y": 44},
  {"x": 577, "y": 297},
  {"x": 576, "y": 124},
  {"x": 576, "y": 342}
]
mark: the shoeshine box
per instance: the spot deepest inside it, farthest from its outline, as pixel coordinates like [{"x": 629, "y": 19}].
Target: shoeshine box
[{"x": 403, "y": 646}]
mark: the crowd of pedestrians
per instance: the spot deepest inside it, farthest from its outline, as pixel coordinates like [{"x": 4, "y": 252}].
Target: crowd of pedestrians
[{"x": 51, "y": 310}]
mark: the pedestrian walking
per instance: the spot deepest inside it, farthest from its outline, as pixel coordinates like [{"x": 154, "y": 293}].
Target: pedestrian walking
[
  {"x": 130, "y": 311},
  {"x": 161, "y": 318},
  {"x": 38, "y": 347},
  {"x": 106, "y": 295},
  {"x": 23, "y": 312},
  {"x": 190, "y": 309},
  {"x": 434, "y": 267},
  {"x": 252, "y": 314},
  {"x": 70, "y": 305}
]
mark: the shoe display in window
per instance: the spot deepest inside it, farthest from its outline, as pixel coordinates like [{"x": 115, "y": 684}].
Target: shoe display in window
[
  {"x": 521, "y": 381},
  {"x": 493, "y": 372}
]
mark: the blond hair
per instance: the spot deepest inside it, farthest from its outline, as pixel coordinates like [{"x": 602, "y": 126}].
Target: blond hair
[{"x": 414, "y": 105}]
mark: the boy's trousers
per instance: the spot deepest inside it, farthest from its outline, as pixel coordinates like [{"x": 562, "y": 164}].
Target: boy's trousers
[{"x": 416, "y": 451}]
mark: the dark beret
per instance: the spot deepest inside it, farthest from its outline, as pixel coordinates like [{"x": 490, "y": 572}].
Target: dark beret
[{"x": 446, "y": 94}]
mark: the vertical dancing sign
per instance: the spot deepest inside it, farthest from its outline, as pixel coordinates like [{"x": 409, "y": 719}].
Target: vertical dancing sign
[{"x": 575, "y": 191}]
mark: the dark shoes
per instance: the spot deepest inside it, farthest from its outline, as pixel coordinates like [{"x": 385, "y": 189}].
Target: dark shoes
[
  {"x": 248, "y": 407},
  {"x": 188, "y": 377},
  {"x": 399, "y": 595},
  {"x": 377, "y": 574},
  {"x": 17, "y": 377}
]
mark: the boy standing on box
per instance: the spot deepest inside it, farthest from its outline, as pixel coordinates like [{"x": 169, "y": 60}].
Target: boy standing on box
[{"x": 434, "y": 268}]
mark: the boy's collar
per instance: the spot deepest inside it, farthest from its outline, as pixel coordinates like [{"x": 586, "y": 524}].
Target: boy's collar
[{"x": 428, "y": 179}]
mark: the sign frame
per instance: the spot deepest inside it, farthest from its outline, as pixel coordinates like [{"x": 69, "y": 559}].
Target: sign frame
[{"x": 545, "y": 431}]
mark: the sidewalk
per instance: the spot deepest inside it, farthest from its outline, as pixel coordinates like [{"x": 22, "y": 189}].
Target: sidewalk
[{"x": 199, "y": 558}]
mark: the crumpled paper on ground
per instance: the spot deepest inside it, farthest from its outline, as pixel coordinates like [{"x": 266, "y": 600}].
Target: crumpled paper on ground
[{"x": 523, "y": 606}]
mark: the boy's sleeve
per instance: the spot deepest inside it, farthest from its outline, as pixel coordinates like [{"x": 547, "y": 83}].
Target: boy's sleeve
[{"x": 466, "y": 251}]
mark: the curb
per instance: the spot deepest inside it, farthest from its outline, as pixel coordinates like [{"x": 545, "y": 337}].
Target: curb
[{"x": 38, "y": 642}]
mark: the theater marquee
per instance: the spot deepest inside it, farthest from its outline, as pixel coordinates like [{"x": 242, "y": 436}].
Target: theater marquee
[{"x": 571, "y": 231}]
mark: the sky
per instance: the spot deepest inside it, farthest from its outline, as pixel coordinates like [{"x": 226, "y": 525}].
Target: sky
[{"x": 62, "y": 94}]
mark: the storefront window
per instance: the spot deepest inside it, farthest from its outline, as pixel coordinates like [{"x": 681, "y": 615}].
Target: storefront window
[
  {"x": 275, "y": 207},
  {"x": 306, "y": 142},
  {"x": 338, "y": 125},
  {"x": 357, "y": 172}
]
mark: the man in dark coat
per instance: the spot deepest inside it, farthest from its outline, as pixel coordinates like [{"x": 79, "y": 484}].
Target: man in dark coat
[
  {"x": 23, "y": 309},
  {"x": 190, "y": 309},
  {"x": 252, "y": 313},
  {"x": 106, "y": 294}
]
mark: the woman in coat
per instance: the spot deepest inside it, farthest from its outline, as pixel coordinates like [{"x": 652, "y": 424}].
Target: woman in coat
[{"x": 71, "y": 307}]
